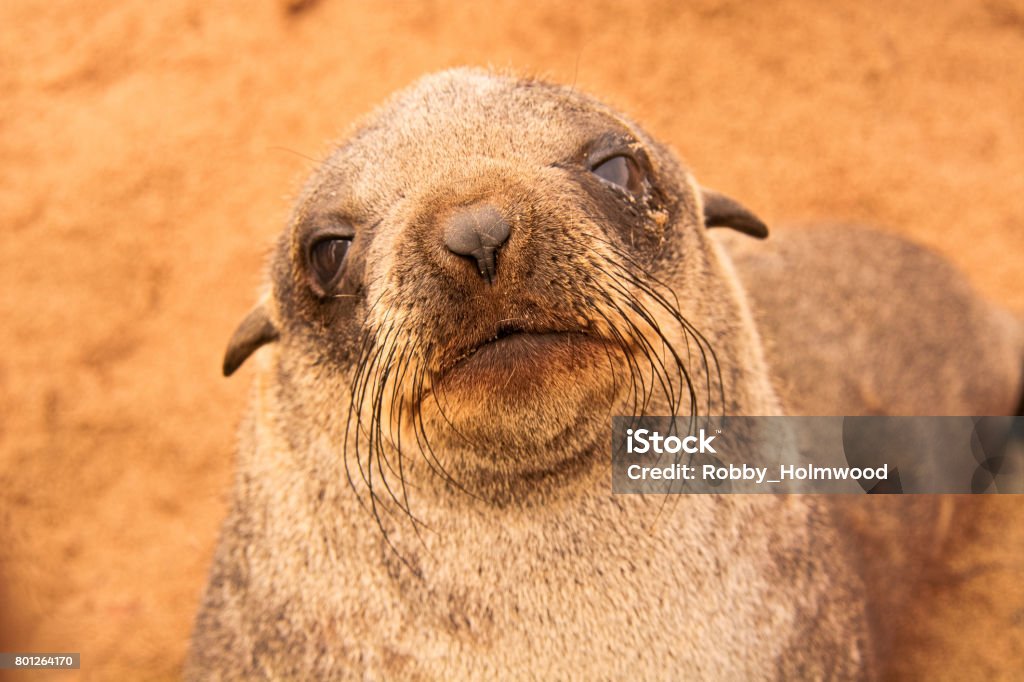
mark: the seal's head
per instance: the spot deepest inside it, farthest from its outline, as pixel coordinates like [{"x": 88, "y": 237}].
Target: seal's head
[{"x": 485, "y": 271}]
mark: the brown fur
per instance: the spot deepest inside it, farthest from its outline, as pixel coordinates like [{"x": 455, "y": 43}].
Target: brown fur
[
  {"x": 858, "y": 322},
  {"x": 896, "y": 315},
  {"x": 462, "y": 526}
]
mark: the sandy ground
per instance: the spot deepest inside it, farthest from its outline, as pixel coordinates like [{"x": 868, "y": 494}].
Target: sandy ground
[{"x": 148, "y": 152}]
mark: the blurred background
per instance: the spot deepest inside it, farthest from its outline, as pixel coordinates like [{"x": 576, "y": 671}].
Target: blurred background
[{"x": 149, "y": 153}]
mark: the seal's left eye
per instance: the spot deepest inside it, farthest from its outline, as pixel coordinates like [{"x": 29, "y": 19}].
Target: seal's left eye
[
  {"x": 619, "y": 170},
  {"x": 326, "y": 258}
]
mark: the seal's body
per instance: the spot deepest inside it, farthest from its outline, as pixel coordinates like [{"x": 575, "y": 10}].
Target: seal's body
[
  {"x": 851, "y": 319},
  {"x": 469, "y": 288}
]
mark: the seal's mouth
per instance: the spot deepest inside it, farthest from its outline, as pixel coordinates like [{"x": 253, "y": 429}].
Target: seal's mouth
[
  {"x": 516, "y": 355},
  {"x": 522, "y": 400}
]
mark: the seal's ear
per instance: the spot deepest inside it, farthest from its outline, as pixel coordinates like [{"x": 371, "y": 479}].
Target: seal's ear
[
  {"x": 255, "y": 330},
  {"x": 721, "y": 211}
]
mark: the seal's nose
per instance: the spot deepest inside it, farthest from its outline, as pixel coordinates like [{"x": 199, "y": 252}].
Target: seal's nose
[{"x": 477, "y": 232}]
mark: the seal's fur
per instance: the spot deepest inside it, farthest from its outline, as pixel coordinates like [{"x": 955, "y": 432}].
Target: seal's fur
[{"x": 423, "y": 472}]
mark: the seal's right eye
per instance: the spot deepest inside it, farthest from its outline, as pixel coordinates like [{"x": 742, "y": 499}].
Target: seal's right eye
[{"x": 326, "y": 258}]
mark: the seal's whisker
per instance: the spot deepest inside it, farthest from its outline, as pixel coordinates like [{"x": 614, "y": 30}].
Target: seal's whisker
[
  {"x": 397, "y": 400},
  {"x": 373, "y": 440},
  {"x": 368, "y": 366},
  {"x": 421, "y": 430},
  {"x": 640, "y": 309},
  {"x": 378, "y": 449},
  {"x": 367, "y": 346},
  {"x": 648, "y": 282},
  {"x": 682, "y": 367},
  {"x": 368, "y": 371},
  {"x": 658, "y": 370},
  {"x": 650, "y": 320},
  {"x": 420, "y": 371},
  {"x": 641, "y": 398},
  {"x": 363, "y": 387},
  {"x": 406, "y": 359},
  {"x": 635, "y": 376}
]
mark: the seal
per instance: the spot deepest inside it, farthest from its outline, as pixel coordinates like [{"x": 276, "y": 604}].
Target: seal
[{"x": 471, "y": 284}]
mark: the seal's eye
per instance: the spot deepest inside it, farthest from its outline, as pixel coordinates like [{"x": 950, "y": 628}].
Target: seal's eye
[
  {"x": 326, "y": 257},
  {"x": 619, "y": 170}
]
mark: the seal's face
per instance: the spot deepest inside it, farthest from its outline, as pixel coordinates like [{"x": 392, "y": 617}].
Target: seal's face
[{"x": 483, "y": 261}]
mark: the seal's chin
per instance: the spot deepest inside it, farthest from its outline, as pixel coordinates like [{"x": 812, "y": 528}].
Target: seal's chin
[{"x": 526, "y": 400}]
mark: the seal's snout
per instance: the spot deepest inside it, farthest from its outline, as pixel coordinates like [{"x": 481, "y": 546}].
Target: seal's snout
[{"x": 477, "y": 233}]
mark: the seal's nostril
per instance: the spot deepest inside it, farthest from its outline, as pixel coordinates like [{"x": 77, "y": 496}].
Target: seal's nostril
[{"x": 477, "y": 232}]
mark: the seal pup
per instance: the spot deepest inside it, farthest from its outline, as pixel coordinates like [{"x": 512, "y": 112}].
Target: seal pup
[{"x": 469, "y": 287}]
